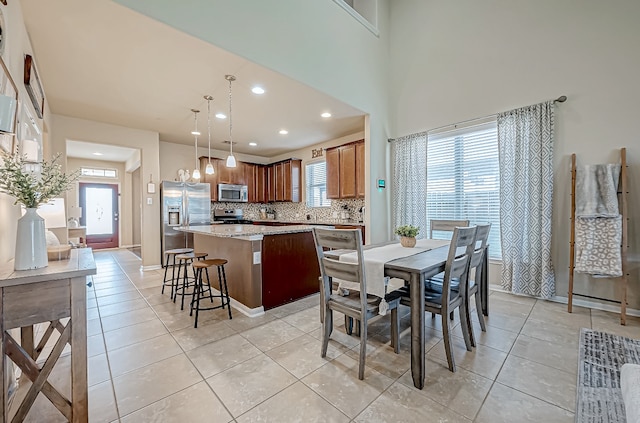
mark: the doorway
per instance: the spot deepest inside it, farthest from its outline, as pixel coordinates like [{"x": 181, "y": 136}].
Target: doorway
[{"x": 99, "y": 204}]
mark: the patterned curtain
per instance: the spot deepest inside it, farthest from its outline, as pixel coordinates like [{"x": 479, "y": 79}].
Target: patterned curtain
[
  {"x": 525, "y": 138},
  {"x": 410, "y": 182}
]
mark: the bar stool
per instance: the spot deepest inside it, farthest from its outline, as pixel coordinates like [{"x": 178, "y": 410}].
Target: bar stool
[
  {"x": 197, "y": 292},
  {"x": 171, "y": 256},
  {"x": 185, "y": 260}
]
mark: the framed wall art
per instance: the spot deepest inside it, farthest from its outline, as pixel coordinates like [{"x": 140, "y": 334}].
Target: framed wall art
[
  {"x": 8, "y": 110},
  {"x": 33, "y": 85},
  {"x": 29, "y": 135}
]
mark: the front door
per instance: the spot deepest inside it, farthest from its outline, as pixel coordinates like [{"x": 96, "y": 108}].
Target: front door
[{"x": 99, "y": 204}]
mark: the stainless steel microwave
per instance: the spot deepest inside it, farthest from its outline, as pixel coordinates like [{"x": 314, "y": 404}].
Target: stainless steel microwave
[{"x": 233, "y": 193}]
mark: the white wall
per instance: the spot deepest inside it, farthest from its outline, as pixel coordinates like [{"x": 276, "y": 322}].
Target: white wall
[
  {"x": 67, "y": 128},
  {"x": 315, "y": 42},
  {"x": 453, "y": 61},
  {"x": 17, "y": 44}
]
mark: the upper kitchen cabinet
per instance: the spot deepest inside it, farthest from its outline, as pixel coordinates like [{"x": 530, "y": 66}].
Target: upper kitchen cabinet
[
  {"x": 333, "y": 172},
  {"x": 233, "y": 175},
  {"x": 212, "y": 180},
  {"x": 360, "y": 181},
  {"x": 345, "y": 171},
  {"x": 284, "y": 181},
  {"x": 261, "y": 185}
]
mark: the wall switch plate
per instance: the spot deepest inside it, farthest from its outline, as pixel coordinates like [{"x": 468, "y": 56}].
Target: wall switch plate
[
  {"x": 149, "y": 200},
  {"x": 257, "y": 257}
]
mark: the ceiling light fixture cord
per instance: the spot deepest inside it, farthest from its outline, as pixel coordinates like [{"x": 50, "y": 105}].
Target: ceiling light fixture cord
[
  {"x": 196, "y": 170},
  {"x": 231, "y": 161},
  {"x": 209, "y": 169}
]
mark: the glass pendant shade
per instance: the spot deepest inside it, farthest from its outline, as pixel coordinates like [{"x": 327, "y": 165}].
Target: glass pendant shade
[
  {"x": 209, "y": 169},
  {"x": 196, "y": 174},
  {"x": 231, "y": 160}
]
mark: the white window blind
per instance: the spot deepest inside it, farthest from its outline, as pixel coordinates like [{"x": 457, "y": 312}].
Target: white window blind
[
  {"x": 463, "y": 178},
  {"x": 316, "y": 185}
]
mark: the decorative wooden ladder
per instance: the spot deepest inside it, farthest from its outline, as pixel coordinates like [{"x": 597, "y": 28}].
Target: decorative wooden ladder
[{"x": 622, "y": 201}]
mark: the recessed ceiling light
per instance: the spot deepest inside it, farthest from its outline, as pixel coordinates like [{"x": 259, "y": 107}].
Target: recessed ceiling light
[
  {"x": 326, "y": 115},
  {"x": 97, "y": 154},
  {"x": 195, "y": 132},
  {"x": 221, "y": 116},
  {"x": 283, "y": 132},
  {"x": 257, "y": 90},
  {"x": 253, "y": 144}
]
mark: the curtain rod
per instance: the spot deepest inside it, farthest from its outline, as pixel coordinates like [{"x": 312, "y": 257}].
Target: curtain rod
[{"x": 560, "y": 99}]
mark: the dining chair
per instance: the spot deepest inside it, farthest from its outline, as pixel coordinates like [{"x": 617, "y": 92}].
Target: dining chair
[
  {"x": 473, "y": 289},
  {"x": 357, "y": 305},
  {"x": 442, "y": 301},
  {"x": 445, "y": 225}
]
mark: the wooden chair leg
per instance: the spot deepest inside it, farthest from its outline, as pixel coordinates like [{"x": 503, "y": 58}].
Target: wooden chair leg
[
  {"x": 447, "y": 343},
  {"x": 464, "y": 325},
  {"x": 483, "y": 325},
  {"x": 328, "y": 327},
  {"x": 348, "y": 325},
  {"x": 467, "y": 316},
  {"x": 363, "y": 347}
]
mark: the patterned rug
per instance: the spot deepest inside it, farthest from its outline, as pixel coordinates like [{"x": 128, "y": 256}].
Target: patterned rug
[{"x": 599, "y": 398}]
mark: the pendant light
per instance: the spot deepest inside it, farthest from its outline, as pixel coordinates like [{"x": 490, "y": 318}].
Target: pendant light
[
  {"x": 209, "y": 169},
  {"x": 196, "y": 169},
  {"x": 231, "y": 160}
]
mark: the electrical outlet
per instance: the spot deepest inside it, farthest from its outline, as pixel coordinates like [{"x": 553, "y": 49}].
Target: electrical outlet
[
  {"x": 149, "y": 201},
  {"x": 257, "y": 257}
]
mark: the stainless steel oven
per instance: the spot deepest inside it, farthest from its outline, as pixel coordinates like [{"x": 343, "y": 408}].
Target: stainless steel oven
[{"x": 233, "y": 193}]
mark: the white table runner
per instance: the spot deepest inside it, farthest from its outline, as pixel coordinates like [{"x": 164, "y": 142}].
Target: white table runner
[{"x": 375, "y": 259}]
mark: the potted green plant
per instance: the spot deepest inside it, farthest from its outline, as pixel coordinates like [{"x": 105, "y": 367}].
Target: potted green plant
[
  {"x": 407, "y": 235},
  {"x": 31, "y": 189}
]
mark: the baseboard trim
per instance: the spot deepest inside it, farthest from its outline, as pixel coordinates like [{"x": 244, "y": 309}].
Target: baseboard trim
[
  {"x": 579, "y": 302},
  {"x": 249, "y": 312}
]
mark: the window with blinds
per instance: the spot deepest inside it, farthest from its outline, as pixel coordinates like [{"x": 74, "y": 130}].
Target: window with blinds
[
  {"x": 463, "y": 178},
  {"x": 316, "y": 185}
]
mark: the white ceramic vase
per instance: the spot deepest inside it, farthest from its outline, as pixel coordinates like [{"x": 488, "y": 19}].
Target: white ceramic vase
[{"x": 31, "y": 245}]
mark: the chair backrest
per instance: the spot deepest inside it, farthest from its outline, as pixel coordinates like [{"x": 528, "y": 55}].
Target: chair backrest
[
  {"x": 341, "y": 239},
  {"x": 445, "y": 225},
  {"x": 482, "y": 235},
  {"x": 457, "y": 265}
]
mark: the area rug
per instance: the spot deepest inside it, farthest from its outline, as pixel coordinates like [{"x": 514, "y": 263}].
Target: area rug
[{"x": 599, "y": 398}]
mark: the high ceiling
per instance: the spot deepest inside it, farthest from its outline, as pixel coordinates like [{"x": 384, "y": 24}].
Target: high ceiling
[{"x": 101, "y": 61}]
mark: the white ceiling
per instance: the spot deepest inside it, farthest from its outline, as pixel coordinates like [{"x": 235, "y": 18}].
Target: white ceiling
[
  {"x": 109, "y": 153},
  {"x": 101, "y": 61}
]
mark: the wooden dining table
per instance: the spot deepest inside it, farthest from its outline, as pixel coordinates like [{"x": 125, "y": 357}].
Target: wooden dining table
[{"x": 414, "y": 270}]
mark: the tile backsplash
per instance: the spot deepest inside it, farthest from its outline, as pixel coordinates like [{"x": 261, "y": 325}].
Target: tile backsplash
[{"x": 298, "y": 211}]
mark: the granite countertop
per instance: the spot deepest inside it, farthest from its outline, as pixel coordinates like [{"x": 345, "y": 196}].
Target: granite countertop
[
  {"x": 328, "y": 222},
  {"x": 248, "y": 232}
]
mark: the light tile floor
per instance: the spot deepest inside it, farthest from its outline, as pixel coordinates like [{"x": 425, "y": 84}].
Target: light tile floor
[{"x": 147, "y": 362}]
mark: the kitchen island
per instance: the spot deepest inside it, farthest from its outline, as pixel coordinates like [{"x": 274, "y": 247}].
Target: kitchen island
[{"x": 267, "y": 265}]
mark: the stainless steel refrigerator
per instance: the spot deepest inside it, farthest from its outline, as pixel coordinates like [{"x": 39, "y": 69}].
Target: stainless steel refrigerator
[{"x": 183, "y": 204}]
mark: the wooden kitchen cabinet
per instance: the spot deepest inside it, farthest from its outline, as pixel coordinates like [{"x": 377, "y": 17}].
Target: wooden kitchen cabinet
[
  {"x": 212, "y": 180},
  {"x": 348, "y": 171},
  {"x": 345, "y": 171},
  {"x": 284, "y": 181},
  {"x": 261, "y": 185},
  {"x": 333, "y": 172},
  {"x": 360, "y": 162},
  {"x": 232, "y": 175}
]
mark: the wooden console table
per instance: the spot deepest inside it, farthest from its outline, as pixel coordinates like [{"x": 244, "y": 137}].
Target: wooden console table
[
  {"x": 47, "y": 295},
  {"x": 79, "y": 232}
]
